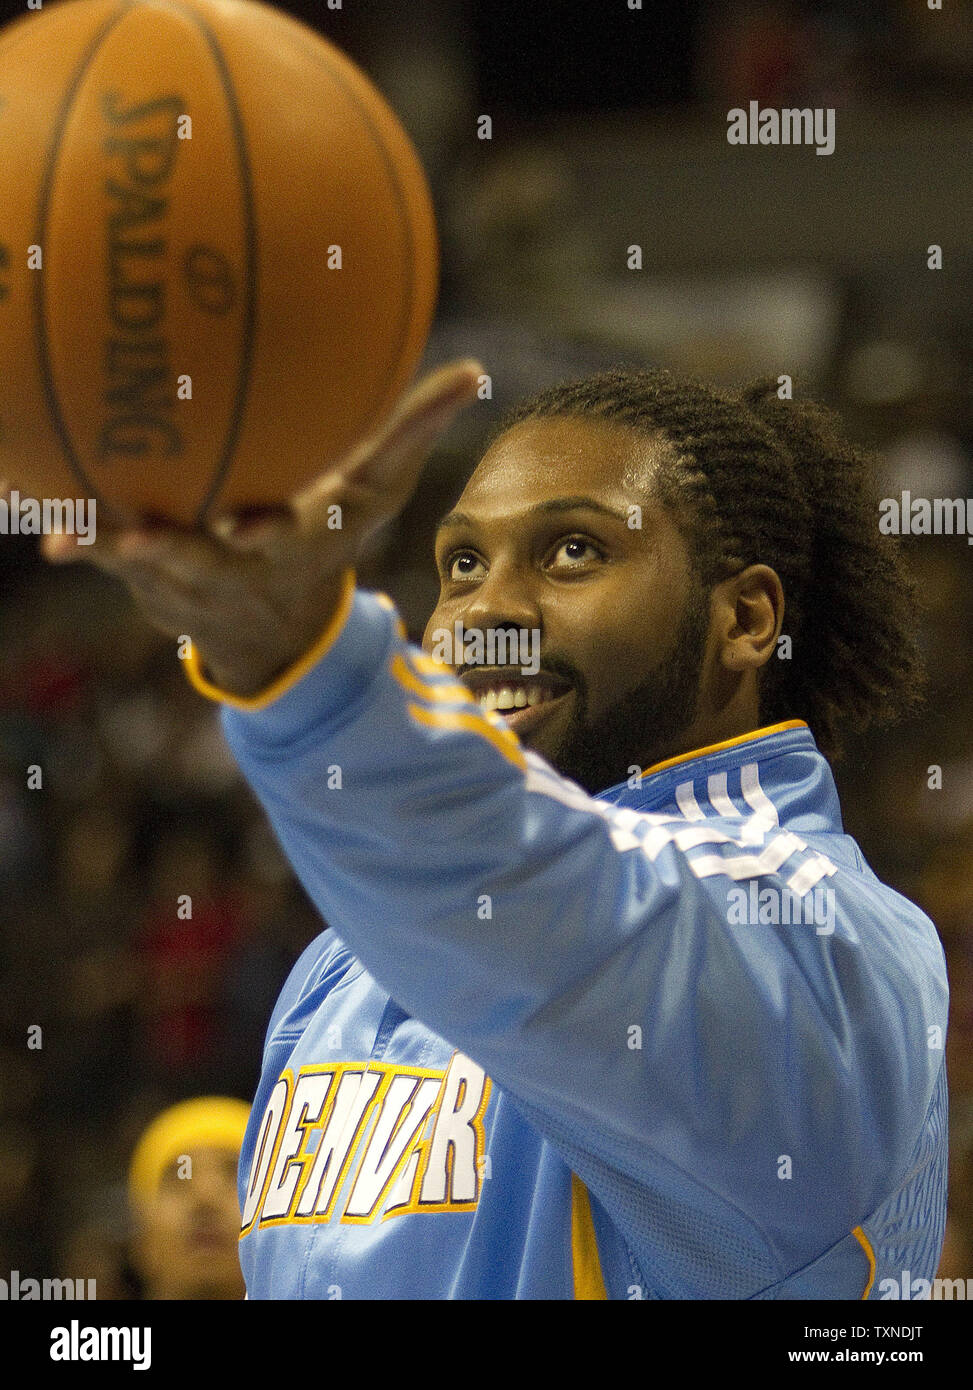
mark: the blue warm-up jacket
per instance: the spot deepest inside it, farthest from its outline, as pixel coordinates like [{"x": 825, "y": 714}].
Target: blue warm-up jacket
[{"x": 673, "y": 1042}]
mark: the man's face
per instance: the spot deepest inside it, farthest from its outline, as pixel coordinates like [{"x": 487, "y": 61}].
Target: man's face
[
  {"x": 187, "y": 1244},
  {"x": 542, "y": 539}
]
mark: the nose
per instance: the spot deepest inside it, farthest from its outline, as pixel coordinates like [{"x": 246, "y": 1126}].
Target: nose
[
  {"x": 210, "y": 1186},
  {"x": 206, "y": 1197},
  {"x": 502, "y": 601}
]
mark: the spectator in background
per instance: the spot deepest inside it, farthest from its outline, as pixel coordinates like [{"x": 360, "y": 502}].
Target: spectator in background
[{"x": 183, "y": 1195}]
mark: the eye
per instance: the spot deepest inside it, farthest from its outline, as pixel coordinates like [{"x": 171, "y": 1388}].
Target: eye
[
  {"x": 462, "y": 564},
  {"x": 575, "y": 552}
]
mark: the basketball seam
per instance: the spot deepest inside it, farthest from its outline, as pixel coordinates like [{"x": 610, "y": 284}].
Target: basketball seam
[
  {"x": 43, "y": 209},
  {"x": 408, "y": 301}
]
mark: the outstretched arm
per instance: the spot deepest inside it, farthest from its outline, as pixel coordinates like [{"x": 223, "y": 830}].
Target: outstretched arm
[{"x": 581, "y": 953}]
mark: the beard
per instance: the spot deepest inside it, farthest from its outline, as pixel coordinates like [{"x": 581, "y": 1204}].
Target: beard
[{"x": 645, "y": 726}]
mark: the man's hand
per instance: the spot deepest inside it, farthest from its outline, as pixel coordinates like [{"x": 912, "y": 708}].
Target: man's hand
[{"x": 255, "y": 597}]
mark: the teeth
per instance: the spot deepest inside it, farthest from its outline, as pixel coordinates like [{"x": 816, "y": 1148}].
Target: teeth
[{"x": 509, "y": 697}]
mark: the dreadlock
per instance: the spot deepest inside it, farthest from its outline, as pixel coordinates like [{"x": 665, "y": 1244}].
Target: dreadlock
[{"x": 753, "y": 479}]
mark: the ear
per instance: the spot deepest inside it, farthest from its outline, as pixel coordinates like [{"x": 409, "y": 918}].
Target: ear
[{"x": 747, "y": 615}]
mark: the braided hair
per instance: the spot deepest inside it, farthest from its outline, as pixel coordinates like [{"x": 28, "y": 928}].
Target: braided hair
[{"x": 753, "y": 479}]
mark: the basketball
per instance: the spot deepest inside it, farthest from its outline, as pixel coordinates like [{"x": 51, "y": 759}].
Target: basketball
[{"x": 218, "y": 255}]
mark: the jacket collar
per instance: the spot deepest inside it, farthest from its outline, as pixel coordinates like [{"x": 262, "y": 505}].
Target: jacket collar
[{"x": 777, "y": 773}]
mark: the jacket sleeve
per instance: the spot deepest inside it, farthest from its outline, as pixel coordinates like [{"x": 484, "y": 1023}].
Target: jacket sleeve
[{"x": 582, "y": 953}]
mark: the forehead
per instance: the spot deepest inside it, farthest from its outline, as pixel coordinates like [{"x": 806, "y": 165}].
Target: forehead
[
  {"x": 544, "y": 458},
  {"x": 203, "y": 1158}
]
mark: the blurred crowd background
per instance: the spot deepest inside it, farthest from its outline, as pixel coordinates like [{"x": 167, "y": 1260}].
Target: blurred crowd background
[{"x": 608, "y": 130}]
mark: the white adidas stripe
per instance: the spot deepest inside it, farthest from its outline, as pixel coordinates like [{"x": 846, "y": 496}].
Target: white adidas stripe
[
  {"x": 755, "y": 796},
  {"x": 687, "y": 803},
  {"x": 652, "y": 831},
  {"x": 719, "y": 797}
]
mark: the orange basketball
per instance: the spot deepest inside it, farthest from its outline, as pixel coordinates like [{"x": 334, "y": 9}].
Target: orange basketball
[{"x": 218, "y": 255}]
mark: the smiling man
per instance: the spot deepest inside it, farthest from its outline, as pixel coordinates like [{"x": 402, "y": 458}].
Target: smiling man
[
  {"x": 581, "y": 1038},
  {"x": 581, "y": 554}
]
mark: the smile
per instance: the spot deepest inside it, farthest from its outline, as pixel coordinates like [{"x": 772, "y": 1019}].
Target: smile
[
  {"x": 511, "y": 697},
  {"x": 522, "y": 700}
]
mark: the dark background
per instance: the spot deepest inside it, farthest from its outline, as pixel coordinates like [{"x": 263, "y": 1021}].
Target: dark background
[{"x": 609, "y": 128}]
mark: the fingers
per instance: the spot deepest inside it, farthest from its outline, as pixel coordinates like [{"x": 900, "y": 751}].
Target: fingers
[
  {"x": 445, "y": 389},
  {"x": 377, "y": 476},
  {"x": 65, "y": 546},
  {"x": 417, "y": 421},
  {"x": 369, "y": 485},
  {"x": 172, "y": 573},
  {"x": 375, "y": 480},
  {"x": 113, "y": 547},
  {"x": 255, "y": 532}
]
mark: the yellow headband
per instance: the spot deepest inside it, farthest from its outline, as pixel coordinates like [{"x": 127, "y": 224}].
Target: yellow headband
[{"x": 217, "y": 1121}]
